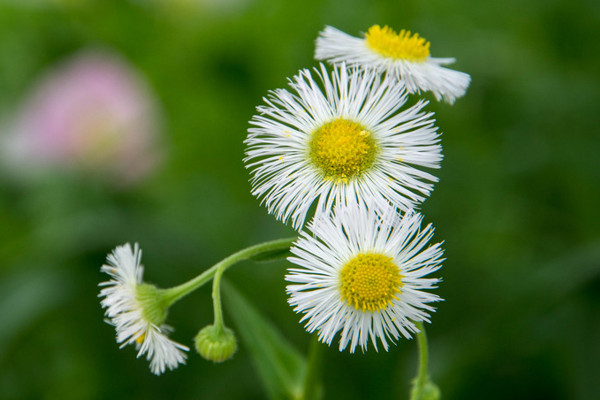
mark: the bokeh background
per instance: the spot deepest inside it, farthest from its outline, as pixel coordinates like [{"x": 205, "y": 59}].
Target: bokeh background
[{"x": 177, "y": 81}]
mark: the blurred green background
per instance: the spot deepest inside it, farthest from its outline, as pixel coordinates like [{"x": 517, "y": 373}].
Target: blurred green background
[{"x": 517, "y": 202}]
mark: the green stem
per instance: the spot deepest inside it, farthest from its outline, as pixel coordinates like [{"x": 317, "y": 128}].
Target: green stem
[
  {"x": 216, "y": 295},
  {"x": 422, "y": 375},
  {"x": 171, "y": 295},
  {"x": 312, "y": 383}
]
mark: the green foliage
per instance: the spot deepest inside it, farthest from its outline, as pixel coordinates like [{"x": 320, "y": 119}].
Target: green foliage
[{"x": 517, "y": 201}]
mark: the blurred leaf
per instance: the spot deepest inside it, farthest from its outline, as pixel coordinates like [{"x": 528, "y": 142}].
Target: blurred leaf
[
  {"x": 26, "y": 296},
  {"x": 583, "y": 265},
  {"x": 279, "y": 364}
]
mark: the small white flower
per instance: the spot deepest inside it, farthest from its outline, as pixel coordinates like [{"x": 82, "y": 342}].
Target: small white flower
[
  {"x": 403, "y": 55},
  {"x": 340, "y": 138},
  {"x": 130, "y": 305},
  {"x": 362, "y": 273}
]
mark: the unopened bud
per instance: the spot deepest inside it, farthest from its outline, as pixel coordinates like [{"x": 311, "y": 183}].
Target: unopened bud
[
  {"x": 430, "y": 391},
  {"x": 216, "y": 344}
]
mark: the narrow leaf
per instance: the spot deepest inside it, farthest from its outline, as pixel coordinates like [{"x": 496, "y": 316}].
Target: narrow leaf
[{"x": 280, "y": 365}]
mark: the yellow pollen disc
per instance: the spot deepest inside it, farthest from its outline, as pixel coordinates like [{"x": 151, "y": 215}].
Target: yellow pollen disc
[
  {"x": 140, "y": 339},
  {"x": 400, "y": 46},
  {"x": 342, "y": 149},
  {"x": 370, "y": 281}
]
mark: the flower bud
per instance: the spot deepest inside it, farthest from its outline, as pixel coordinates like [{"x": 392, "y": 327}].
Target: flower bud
[
  {"x": 430, "y": 391},
  {"x": 216, "y": 344}
]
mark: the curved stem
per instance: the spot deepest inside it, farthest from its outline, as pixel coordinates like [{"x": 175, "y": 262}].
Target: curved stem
[
  {"x": 422, "y": 376},
  {"x": 171, "y": 295},
  {"x": 216, "y": 295}
]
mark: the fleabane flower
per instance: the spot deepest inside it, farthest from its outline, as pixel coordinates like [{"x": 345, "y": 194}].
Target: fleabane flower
[
  {"x": 340, "y": 137},
  {"x": 403, "y": 55},
  {"x": 137, "y": 310},
  {"x": 363, "y": 273}
]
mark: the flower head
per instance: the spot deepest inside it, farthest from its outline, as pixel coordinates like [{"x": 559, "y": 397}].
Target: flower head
[
  {"x": 403, "y": 55},
  {"x": 337, "y": 139},
  {"x": 362, "y": 273},
  {"x": 91, "y": 113},
  {"x": 137, "y": 311}
]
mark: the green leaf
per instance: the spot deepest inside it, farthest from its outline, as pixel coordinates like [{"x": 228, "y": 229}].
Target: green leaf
[{"x": 280, "y": 365}]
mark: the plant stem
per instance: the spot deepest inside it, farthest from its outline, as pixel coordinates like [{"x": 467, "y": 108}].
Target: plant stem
[
  {"x": 422, "y": 375},
  {"x": 312, "y": 383},
  {"x": 171, "y": 295},
  {"x": 216, "y": 295}
]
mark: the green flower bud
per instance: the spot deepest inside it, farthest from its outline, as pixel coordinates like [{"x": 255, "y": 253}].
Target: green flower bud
[
  {"x": 216, "y": 344},
  {"x": 430, "y": 391}
]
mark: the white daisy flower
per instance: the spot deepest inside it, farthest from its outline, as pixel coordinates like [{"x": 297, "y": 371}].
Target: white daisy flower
[
  {"x": 362, "y": 273},
  {"x": 135, "y": 310},
  {"x": 403, "y": 55},
  {"x": 340, "y": 138}
]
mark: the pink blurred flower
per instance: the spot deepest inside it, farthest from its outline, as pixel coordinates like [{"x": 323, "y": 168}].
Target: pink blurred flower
[{"x": 90, "y": 113}]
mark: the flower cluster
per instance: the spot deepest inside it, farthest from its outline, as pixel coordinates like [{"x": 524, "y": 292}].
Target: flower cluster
[{"x": 343, "y": 145}]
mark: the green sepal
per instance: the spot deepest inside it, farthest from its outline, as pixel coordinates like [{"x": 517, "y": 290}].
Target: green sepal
[{"x": 154, "y": 305}]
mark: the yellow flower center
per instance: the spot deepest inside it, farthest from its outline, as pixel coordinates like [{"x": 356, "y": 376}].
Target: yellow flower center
[
  {"x": 400, "y": 46},
  {"x": 140, "y": 339},
  {"x": 342, "y": 149},
  {"x": 370, "y": 281}
]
